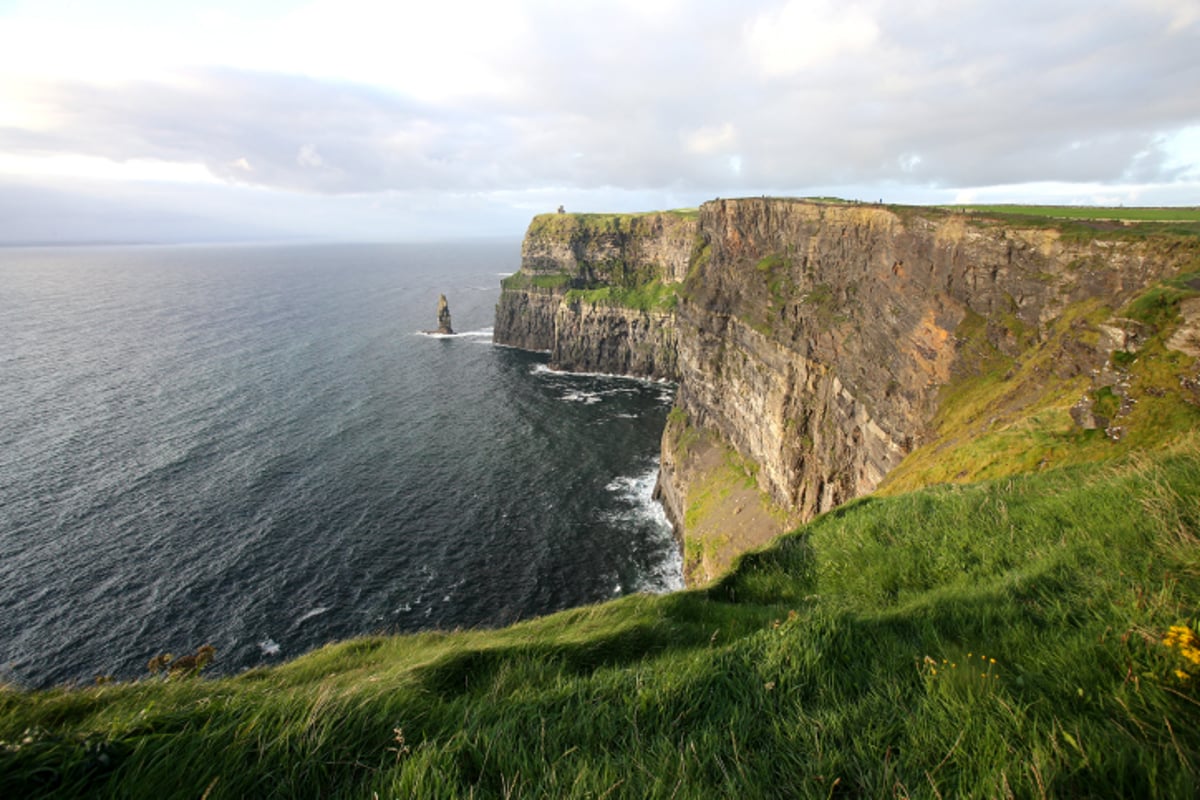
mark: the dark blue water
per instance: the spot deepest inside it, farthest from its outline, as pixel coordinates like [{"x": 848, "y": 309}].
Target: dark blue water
[{"x": 255, "y": 447}]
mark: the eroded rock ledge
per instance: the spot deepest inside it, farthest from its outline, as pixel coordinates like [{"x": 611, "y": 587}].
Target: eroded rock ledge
[
  {"x": 812, "y": 341},
  {"x": 597, "y": 291}
]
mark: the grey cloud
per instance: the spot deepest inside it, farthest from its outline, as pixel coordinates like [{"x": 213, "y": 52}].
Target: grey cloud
[{"x": 961, "y": 95}]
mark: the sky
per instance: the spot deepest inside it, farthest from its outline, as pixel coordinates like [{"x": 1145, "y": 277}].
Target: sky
[{"x": 151, "y": 120}]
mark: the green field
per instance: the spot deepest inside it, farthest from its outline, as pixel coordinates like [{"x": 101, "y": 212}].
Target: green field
[
  {"x": 1098, "y": 213},
  {"x": 1008, "y": 638}
]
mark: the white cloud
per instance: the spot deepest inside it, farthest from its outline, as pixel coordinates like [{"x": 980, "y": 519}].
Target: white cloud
[
  {"x": 68, "y": 165},
  {"x": 805, "y": 33},
  {"x": 309, "y": 157},
  {"x": 434, "y": 52},
  {"x": 1182, "y": 15},
  {"x": 607, "y": 101},
  {"x": 710, "y": 139}
]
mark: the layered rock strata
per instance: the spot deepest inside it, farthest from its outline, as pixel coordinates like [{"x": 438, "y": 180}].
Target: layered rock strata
[
  {"x": 583, "y": 291},
  {"x": 815, "y": 339}
]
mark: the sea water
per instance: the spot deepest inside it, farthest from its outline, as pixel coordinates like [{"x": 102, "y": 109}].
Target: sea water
[{"x": 256, "y": 447}]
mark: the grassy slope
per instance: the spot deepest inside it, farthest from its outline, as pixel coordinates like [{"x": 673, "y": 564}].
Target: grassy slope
[
  {"x": 1005, "y": 415},
  {"x": 843, "y": 660},
  {"x": 1133, "y": 214},
  {"x": 847, "y": 658}
]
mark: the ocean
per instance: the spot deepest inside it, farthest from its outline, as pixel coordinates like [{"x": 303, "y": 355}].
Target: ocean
[{"x": 256, "y": 447}]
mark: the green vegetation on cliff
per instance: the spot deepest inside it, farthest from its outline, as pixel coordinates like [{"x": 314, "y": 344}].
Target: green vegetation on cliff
[
  {"x": 600, "y": 260},
  {"x": 1007, "y": 414},
  {"x": 522, "y": 281},
  {"x": 1010, "y": 638},
  {"x": 1085, "y": 223},
  {"x": 566, "y": 224},
  {"x": 653, "y": 295},
  {"x": 1133, "y": 214}
]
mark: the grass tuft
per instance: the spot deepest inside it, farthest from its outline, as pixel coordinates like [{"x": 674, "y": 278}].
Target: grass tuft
[{"x": 854, "y": 656}]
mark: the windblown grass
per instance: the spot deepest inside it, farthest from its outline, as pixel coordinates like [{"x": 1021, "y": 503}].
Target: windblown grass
[
  {"x": 852, "y": 658},
  {"x": 1132, "y": 214}
]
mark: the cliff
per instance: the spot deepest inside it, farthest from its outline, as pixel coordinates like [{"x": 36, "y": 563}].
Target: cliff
[
  {"x": 820, "y": 346},
  {"x": 598, "y": 291},
  {"x": 1039, "y": 628}
]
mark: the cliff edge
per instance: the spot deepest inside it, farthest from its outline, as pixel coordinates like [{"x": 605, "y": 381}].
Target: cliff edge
[
  {"x": 828, "y": 350},
  {"x": 598, "y": 291}
]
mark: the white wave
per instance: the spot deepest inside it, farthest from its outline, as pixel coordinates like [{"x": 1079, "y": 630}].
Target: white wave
[
  {"x": 481, "y": 333},
  {"x": 269, "y": 647},
  {"x": 545, "y": 369},
  {"x": 637, "y": 494},
  {"x": 316, "y": 612},
  {"x": 637, "y": 489},
  {"x": 587, "y": 398}
]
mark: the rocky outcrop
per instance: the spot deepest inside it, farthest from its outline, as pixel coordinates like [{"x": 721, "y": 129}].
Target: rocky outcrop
[
  {"x": 610, "y": 249},
  {"x": 596, "y": 291},
  {"x": 591, "y": 337},
  {"x": 816, "y": 340},
  {"x": 443, "y": 316},
  {"x": 525, "y": 318}
]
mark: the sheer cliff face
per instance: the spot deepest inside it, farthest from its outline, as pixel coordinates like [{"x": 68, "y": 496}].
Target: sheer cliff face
[
  {"x": 607, "y": 248},
  {"x": 557, "y": 302},
  {"x": 815, "y": 338}
]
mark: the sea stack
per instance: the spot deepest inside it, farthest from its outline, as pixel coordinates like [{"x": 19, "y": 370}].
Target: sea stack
[{"x": 444, "y": 315}]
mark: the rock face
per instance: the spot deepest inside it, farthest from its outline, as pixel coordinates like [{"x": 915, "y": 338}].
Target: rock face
[
  {"x": 443, "y": 316},
  {"x": 597, "y": 291},
  {"x": 815, "y": 338},
  {"x": 525, "y": 317},
  {"x": 590, "y": 337}
]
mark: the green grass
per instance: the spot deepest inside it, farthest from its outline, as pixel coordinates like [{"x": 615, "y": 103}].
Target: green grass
[
  {"x": 845, "y": 660},
  {"x": 566, "y": 224},
  {"x": 1002, "y": 415},
  {"x": 1088, "y": 223},
  {"x": 520, "y": 281},
  {"x": 1133, "y": 214},
  {"x": 653, "y": 295}
]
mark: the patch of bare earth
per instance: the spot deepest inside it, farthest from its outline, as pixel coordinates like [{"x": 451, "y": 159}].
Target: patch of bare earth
[{"x": 726, "y": 514}]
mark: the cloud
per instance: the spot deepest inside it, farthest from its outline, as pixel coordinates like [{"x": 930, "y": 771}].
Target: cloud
[
  {"x": 710, "y": 139},
  {"x": 806, "y": 33},
  {"x": 624, "y": 98},
  {"x": 309, "y": 157}
]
